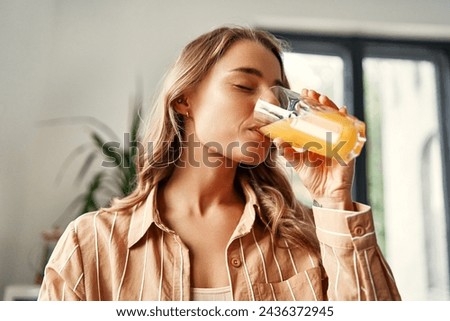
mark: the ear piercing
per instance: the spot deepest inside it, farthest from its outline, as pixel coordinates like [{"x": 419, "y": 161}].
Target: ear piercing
[{"x": 181, "y": 100}]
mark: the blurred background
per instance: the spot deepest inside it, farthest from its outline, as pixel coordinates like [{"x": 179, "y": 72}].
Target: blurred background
[{"x": 71, "y": 68}]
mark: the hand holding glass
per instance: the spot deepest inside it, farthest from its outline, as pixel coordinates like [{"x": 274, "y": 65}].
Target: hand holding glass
[{"x": 305, "y": 123}]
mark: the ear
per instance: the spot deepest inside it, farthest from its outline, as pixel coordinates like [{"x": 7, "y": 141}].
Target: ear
[{"x": 181, "y": 105}]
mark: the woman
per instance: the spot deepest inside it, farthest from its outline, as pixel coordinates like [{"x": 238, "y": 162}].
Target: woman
[{"x": 213, "y": 216}]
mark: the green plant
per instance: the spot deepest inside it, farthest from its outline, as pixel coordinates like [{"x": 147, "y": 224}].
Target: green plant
[{"x": 116, "y": 179}]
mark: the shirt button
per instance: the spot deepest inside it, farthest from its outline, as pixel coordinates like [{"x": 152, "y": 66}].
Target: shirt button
[
  {"x": 358, "y": 230},
  {"x": 236, "y": 262}
]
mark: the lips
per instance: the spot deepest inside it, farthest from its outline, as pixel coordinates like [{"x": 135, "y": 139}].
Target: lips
[
  {"x": 255, "y": 127},
  {"x": 260, "y": 135}
]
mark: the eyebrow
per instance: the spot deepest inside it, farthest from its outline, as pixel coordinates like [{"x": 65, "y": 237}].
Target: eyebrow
[{"x": 255, "y": 72}]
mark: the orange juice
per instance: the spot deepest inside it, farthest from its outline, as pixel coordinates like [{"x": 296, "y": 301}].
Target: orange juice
[
  {"x": 305, "y": 124},
  {"x": 318, "y": 133}
]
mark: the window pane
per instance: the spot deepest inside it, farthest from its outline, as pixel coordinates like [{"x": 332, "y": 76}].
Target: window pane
[
  {"x": 404, "y": 173},
  {"x": 323, "y": 73}
]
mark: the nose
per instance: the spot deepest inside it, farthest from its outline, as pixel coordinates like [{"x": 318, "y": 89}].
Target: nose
[{"x": 269, "y": 95}]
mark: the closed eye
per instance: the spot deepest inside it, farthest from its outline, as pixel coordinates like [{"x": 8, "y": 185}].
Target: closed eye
[{"x": 245, "y": 88}]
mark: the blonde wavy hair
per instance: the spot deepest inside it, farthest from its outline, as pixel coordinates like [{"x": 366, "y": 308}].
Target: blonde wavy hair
[{"x": 286, "y": 216}]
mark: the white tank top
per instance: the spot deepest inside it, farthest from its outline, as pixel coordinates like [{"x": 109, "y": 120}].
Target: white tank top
[{"x": 211, "y": 294}]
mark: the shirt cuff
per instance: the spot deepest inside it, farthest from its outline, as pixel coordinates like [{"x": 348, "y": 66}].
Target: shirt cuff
[{"x": 345, "y": 229}]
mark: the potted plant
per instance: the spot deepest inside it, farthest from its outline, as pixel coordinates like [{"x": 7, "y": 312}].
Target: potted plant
[{"x": 117, "y": 178}]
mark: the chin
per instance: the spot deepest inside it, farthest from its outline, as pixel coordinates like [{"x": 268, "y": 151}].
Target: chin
[{"x": 253, "y": 155}]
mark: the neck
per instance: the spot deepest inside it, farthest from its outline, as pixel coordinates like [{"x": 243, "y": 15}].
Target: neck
[{"x": 199, "y": 183}]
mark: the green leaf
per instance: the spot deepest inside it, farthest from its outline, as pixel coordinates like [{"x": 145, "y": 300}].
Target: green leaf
[
  {"x": 107, "y": 182},
  {"x": 108, "y": 149}
]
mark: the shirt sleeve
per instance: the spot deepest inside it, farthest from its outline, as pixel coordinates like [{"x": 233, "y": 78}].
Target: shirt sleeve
[
  {"x": 63, "y": 275},
  {"x": 353, "y": 261}
]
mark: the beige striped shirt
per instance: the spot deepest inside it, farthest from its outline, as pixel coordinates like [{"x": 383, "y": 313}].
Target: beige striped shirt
[{"x": 134, "y": 256}]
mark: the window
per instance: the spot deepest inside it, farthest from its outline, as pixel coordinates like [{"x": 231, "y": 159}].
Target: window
[{"x": 400, "y": 89}]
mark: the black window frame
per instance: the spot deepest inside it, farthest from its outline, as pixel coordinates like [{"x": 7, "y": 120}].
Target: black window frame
[{"x": 353, "y": 49}]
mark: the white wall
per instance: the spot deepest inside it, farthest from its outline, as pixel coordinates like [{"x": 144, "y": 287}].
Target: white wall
[{"x": 65, "y": 58}]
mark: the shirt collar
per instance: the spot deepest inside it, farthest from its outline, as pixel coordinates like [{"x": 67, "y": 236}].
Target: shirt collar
[
  {"x": 143, "y": 217},
  {"x": 147, "y": 214}
]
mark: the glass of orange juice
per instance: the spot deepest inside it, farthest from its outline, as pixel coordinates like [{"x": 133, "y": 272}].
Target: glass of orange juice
[{"x": 308, "y": 125}]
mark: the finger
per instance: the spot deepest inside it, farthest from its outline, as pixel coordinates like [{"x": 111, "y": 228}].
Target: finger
[
  {"x": 310, "y": 93},
  {"x": 343, "y": 110},
  {"x": 324, "y": 100},
  {"x": 313, "y": 94}
]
